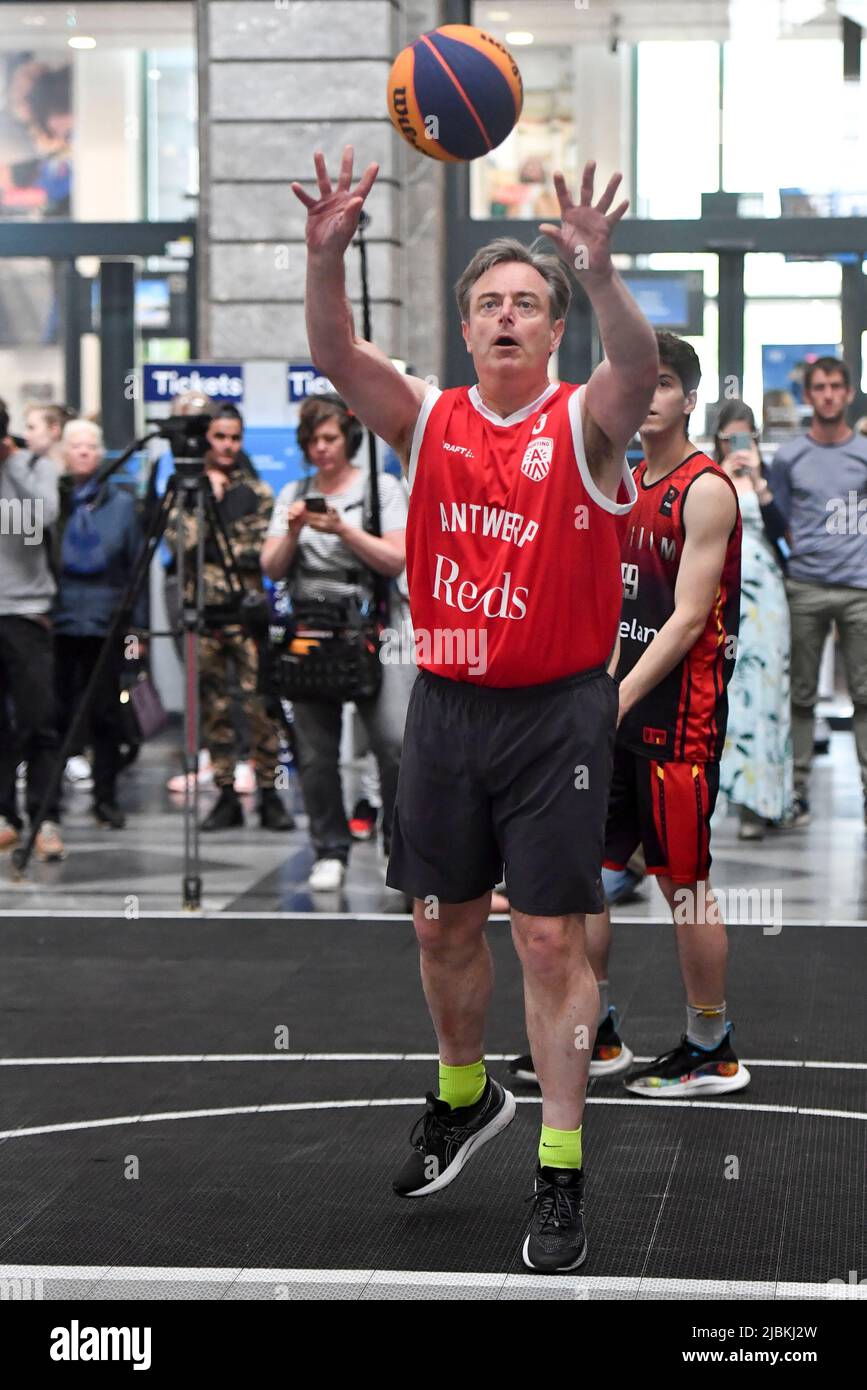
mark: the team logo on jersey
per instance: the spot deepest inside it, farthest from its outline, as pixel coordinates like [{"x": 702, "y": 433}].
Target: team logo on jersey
[
  {"x": 536, "y": 462},
  {"x": 668, "y": 501}
]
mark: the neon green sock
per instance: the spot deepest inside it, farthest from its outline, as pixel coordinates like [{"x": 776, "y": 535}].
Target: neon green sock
[
  {"x": 560, "y": 1148},
  {"x": 460, "y": 1086}
]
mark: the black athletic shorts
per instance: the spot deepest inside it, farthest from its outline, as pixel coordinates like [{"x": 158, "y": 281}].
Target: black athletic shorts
[{"x": 515, "y": 778}]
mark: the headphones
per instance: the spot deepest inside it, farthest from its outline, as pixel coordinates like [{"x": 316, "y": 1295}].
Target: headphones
[{"x": 354, "y": 427}]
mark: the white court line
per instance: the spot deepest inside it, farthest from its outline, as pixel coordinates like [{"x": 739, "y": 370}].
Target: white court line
[
  {"x": 596, "y": 1285},
  {"x": 214, "y": 914},
  {"x": 133, "y": 1059},
  {"x": 116, "y": 1121}
]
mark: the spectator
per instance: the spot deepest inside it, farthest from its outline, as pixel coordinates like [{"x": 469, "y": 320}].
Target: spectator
[
  {"x": 43, "y": 427},
  {"x": 333, "y": 554},
  {"x": 756, "y": 768},
  {"x": 28, "y": 506},
  {"x": 245, "y": 504},
  {"x": 819, "y": 481},
  {"x": 97, "y": 544}
]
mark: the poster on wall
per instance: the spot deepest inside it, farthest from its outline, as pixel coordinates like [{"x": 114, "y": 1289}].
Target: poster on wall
[{"x": 36, "y": 136}]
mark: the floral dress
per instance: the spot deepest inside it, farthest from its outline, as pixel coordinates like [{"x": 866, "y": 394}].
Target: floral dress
[{"x": 756, "y": 769}]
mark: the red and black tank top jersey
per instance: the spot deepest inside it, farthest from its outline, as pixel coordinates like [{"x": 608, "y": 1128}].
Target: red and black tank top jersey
[
  {"x": 512, "y": 551},
  {"x": 683, "y": 719}
]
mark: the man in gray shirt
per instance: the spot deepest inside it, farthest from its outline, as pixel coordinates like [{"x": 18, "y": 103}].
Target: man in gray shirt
[
  {"x": 28, "y": 506},
  {"x": 819, "y": 481}
]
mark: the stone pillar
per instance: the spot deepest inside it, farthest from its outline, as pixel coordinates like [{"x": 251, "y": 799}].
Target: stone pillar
[{"x": 279, "y": 79}]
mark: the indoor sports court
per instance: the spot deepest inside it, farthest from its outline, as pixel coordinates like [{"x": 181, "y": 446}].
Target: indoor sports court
[{"x": 363, "y": 556}]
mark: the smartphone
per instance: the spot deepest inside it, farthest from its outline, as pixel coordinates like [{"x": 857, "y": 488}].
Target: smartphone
[
  {"x": 740, "y": 441},
  {"x": 316, "y": 504}
]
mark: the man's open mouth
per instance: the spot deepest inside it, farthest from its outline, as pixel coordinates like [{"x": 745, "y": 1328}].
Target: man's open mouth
[{"x": 505, "y": 340}]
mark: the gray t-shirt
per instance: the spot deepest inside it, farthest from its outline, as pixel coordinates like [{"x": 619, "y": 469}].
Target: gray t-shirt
[
  {"x": 821, "y": 490},
  {"x": 28, "y": 506},
  {"x": 323, "y": 565}
]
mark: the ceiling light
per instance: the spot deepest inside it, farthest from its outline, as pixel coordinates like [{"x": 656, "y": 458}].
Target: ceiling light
[
  {"x": 499, "y": 16},
  {"x": 83, "y": 41},
  {"x": 33, "y": 19},
  {"x": 519, "y": 37},
  {"x": 154, "y": 74}
]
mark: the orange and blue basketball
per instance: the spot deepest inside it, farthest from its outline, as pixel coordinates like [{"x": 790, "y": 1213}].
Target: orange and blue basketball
[{"x": 455, "y": 93}]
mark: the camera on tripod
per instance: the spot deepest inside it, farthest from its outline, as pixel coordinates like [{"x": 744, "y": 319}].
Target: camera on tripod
[{"x": 187, "y": 438}]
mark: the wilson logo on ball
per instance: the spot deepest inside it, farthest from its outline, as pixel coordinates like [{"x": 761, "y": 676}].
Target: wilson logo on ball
[
  {"x": 455, "y": 93},
  {"x": 536, "y": 462}
]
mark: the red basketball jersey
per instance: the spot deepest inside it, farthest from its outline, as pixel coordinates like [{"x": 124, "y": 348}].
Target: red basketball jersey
[
  {"x": 683, "y": 718},
  {"x": 513, "y": 554}
]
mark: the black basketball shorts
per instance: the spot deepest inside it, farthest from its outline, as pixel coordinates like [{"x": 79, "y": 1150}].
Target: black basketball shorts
[{"x": 511, "y": 778}]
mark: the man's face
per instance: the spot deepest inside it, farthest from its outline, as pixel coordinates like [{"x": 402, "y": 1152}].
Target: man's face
[
  {"x": 669, "y": 405},
  {"x": 38, "y": 433},
  {"x": 510, "y": 332},
  {"x": 224, "y": 438},
  {"x": 829, "y": 396}
]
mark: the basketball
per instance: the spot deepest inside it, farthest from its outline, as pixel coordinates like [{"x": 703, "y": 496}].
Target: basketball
[{"x": 455, "y": 93}]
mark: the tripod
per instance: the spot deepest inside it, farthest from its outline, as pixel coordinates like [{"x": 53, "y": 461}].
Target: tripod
[{"x": 189, "y": 489}]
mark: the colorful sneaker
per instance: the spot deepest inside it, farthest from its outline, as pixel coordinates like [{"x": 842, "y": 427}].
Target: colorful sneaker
[
  {"x": 443, "y": 1139},
  {"x": 800, "y": 813},
  {"x": 556, "y": 1241},
  {"x": 610, "y": 1054},
  {"x": 48, "y": 845},
  {"x": 9, "y": 834},
  {"x": 362, "y": 822},
  {"x": 689, "y": 1071}
]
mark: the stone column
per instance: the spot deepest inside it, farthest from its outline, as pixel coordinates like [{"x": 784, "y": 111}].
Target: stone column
[{"x": 279, "y": 79}]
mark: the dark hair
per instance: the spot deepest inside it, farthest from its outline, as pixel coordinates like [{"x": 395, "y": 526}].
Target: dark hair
[
  {"x": 226, "y": 411},
  {"x": 501, "y": 251},
  {"x": 827, "y": 365},
  {"x": 316, "y": 410},
  {"x": 683, "y": 361},
  {"x": 4, "y": 420},
  {"x": 732, "y": 410},
  {"x": 50, "y": 95}
]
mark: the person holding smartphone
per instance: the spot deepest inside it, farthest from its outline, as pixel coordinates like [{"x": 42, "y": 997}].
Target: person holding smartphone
[
  {"x": 320, "y": 542},
  {"x": 756, "y": 771}
]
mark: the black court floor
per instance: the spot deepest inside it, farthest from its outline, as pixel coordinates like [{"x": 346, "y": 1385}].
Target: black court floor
[{"x": 212, "y": 1109}]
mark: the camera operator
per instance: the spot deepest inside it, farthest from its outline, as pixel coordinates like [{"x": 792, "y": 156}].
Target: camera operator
[
  {"x": 330, "y": 554},
  {"x": 245, "y": 504},
  {"x": 28, "y": 506}
]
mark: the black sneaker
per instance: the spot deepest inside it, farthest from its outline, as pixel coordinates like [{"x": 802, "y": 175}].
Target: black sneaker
[
  {"x": 272, "y": 813},
  {"x": 226, "y": 813},
  {"x": 107, "y": 813},
  {"x": 610, "y": 1054},
  {"x": 800, "y": 813},
  {"x": 556, "y": 1241},
  {"x": 443, "y": 1139},
  {"x": 362, "y": 822},
  {"x": 689, "y": 1071}
]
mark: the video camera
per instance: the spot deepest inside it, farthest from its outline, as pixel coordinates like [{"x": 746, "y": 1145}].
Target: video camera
[{"x": 187, "y": 439}]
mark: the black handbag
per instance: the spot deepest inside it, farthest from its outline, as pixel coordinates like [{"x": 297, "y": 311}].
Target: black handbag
[{"x": 328, "y": 652}]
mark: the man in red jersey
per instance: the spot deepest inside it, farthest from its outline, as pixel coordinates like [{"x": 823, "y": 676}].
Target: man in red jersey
[
  {"x": 517, "y": 485},
  {"x": 678, "y": 635}
]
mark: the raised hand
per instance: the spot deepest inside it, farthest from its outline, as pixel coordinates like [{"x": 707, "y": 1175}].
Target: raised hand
[
  {"x": 332, "y": 218},
  {"x": 584, "y": 237}
]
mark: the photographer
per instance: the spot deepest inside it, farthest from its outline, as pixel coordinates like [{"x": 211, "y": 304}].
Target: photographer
[
  {"x": 329, "y": 553},
  {"x": 245, "y": 505},
  {"x": 28, "y": 506}
]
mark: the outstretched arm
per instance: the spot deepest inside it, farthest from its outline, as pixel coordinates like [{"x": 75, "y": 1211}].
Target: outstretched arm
[
  {"x": 709, "y": 513},
  {"x": 621, "y": 388},
  {"x": 385, "y": 400}
]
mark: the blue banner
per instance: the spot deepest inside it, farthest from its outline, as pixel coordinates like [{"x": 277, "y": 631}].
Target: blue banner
[{"x": 220, "y": 380}]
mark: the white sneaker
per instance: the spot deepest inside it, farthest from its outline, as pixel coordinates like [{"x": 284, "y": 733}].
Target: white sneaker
[
  {"x": 326, "y": 876},
  {"x": 245, "y": 778},
  {"x": 21, "y": 775},
  {"x": 79, "y": 771}
]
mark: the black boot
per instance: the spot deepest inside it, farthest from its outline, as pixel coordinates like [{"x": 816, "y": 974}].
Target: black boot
[
  {"x": 226, "y": 814},
  {"x": 107, "y": 813},
  {"x": 272, "y": 813}
]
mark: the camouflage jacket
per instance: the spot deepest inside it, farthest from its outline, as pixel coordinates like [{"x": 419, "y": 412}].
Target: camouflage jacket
[{"x": 245, "y": 508}]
